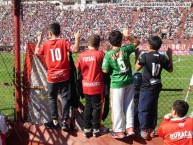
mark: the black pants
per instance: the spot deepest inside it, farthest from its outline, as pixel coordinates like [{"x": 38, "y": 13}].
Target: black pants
[
  {"x": 92, "y": 111},
  {"x": 53, "y": 90}
]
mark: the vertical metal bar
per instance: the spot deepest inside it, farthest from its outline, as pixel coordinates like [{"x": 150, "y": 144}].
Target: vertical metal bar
[{"x": 16, "y": 9}]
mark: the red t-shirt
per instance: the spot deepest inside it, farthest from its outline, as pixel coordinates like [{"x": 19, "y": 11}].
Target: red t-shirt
[
  {"x": 56, "y": 58},
  {"x": 89, "y": 63},
  {"x": 176, "y": 131}
]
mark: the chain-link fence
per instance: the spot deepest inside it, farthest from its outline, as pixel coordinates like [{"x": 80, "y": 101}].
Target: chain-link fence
[
  {"x": 101, "y": 19},
  {"x": 7, "y": 101},
  {"x": 7, "y": 75}
]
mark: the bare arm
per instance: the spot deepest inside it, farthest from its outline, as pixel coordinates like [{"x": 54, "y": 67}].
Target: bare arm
[
  {"x": 105, "y": 71},
  {"x": 76, "y": 43},
  {"x": 133, "y": 40},
  {"x": 39, "y": 39},
  {"x": 138, "y": 67}
]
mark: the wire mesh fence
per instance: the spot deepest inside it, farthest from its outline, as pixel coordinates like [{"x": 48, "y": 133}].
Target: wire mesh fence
[
  {"x": 7, "y": 88},
  {"x": 101, "y": 19},
  {"x": 7, "y": 101}
]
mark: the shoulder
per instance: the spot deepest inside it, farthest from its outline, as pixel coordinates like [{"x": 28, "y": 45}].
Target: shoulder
[
  {"x": 144, "y": 53},
  {"x": 62, "y": 40},
  {"x": 162, "y": 56},
  {"x": 83, "y": 53},
  {"x": 101, "y": 52},
  {"x": 129, "y": 46},
  {"x": 46, "y": 42},
  {"x": 108, "y": 52},
  {"x": 189, "y": 119}
]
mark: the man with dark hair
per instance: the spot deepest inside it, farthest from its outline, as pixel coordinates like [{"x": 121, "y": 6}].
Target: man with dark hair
[
  {"x": 115, "y": 38},
  {"x": 89, "y": 63},
  {"x": 176, "y": 129},
  {"x": 117, "y": 63},
  {"x": 55, "y": 52},
  {"x": 155, "y": 42},
  {"x": 152, "y": 63},
  {"x": 54, "y": 28},
  {"x": 181, "y": 108}
]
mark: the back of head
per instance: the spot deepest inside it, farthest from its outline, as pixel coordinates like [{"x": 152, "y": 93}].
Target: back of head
[
  {"x": 155, "y": 42},
  {"x": 115, "y": 38},
  {"x": 94, "y": 40},
  {"x": 54, "y": 28},
  {"x": 181, "y": 107}
]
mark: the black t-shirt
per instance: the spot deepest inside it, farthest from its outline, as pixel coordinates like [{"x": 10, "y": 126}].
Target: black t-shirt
[{"x": 153, "y": 62}]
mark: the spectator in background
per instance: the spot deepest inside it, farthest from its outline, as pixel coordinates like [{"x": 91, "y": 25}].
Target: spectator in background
[
  {"x": 152, "y": 64},
  {"x": 4, "y": 129},
  {"x": 117, "y": 63},
  {"x": 89, "y": 63},
  {"x": 55, "y": 53},
  {"x": 176, "y": 129}
]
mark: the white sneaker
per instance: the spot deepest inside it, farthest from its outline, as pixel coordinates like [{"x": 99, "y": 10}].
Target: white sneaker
[
  {"x": 96, "y": 132},
  {"x": 87, "y": 132}
]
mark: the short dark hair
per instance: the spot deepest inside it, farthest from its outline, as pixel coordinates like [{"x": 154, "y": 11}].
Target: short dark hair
[
  {"x": 54, "y": 28},
  {"x": 115, "y": 38},
  {"x": 181, "y": 107},
  {"x": 155, "y": 42},
  {"x": 94, "y": 40}
]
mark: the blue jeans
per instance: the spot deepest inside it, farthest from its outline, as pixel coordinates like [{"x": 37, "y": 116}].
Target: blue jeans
[
  {"x": 53, "y": 90},
  {"x": 148, "y": 107}
]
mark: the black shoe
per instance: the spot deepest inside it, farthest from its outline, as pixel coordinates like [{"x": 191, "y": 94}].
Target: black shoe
[
  {"x": 87, "y": 132},
  {"x": 51, "y": 125},
  {"x": 64, "y": 126}
]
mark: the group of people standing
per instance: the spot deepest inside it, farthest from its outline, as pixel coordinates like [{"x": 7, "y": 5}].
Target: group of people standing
[{"x": 93, "y": 63}]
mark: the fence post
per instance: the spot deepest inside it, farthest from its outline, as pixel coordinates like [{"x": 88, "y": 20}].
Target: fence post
[{"x": 16, "y": 9}]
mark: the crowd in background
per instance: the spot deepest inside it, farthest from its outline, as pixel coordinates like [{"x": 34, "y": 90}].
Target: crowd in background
[
  {"x": 91, "y": 19},
  {"x": 154, "y": 20},
  {"x": 188, "y": 26},
  {"x": 100, "y": 19},
  {"x": 6, "y": 26}
]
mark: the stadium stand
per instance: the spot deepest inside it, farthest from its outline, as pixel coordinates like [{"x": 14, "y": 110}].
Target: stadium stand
[{"x": 173, "y": 24}]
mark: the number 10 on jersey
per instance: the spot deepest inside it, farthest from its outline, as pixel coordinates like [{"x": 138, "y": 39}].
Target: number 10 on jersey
[{"x": 55, "y": 54}]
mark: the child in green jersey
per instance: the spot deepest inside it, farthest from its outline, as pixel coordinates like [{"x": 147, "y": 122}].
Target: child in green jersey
[{"x": 117, "y": 63}]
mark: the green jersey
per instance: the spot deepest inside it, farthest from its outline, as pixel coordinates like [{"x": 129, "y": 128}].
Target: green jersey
[{"x": 117, "y": 62}]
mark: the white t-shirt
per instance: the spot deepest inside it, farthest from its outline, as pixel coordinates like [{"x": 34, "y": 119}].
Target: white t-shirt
[{"x": 3, "y": 127}]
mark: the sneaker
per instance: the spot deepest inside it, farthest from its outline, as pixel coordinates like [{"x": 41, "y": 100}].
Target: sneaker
[
  {"x": 96, "y": 132},
  {"x": 104, "y": 130},
  {"x": 152, "y": 133},
  {"x": 117, "y": 135},
  {"x": 144, "y": 134},
  {"x": 50, "y": 125},
  {"x": 64, "y": 126},
  {"x": 87, "y": 132},
  {"x": 130, "y": 131}
]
